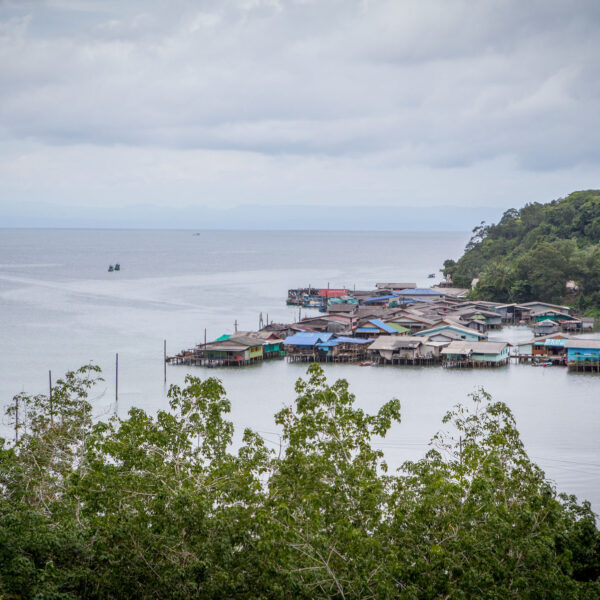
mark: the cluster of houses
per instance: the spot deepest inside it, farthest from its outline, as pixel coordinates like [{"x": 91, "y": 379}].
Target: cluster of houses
[
  {"x": 399, "y": 323},
  {"x": 236, "y": 350},
  {"x": 579, "y": 354}
]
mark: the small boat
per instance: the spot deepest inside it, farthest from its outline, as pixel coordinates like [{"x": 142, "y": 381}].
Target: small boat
[
  {"x": 541, "y": 364},
  {"x": 366, "y": 363},
  {"x": 110, "y": 268},
  {"x": 117, "y": 267},
  {"x": 431, "y": 275}
]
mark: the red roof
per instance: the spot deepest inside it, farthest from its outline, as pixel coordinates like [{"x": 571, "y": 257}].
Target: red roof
[{"x": 332, "y": 293}]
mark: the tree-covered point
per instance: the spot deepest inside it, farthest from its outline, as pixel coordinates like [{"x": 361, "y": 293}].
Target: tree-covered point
[
  {"x": 533, "y": 252},
  {"x": 161, "y": 507}
]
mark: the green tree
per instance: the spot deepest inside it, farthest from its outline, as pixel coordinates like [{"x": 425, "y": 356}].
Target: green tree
[
  {"x": 476, "y": 518},
  {"x": 540, "y": 247},
  {"x": 158, "y": 506},
  {"x": 327, "y": 494},
  {"x": 42, "y": 541}
]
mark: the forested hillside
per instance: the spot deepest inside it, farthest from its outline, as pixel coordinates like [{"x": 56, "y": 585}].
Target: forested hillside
[
  {"x": 160, "y": 507},
  {"x": 533, "y": 252}
]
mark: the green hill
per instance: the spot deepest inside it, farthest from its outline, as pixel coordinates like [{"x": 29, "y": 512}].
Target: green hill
[{"x": 533, "y": 252}]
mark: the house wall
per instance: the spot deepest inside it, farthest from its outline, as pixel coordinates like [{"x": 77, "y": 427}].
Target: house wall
[
  {"x": 215, "y": 354},
  {"x": 491, "y": 357},
  {"x": 407, "y": 353},
  {"x": 255, "y": 352},
  {"x": 433, "y": 350},
  {"x": 583, "y": 354}
]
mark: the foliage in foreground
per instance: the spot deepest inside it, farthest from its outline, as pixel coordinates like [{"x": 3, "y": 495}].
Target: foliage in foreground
[
  {"x": 160, "y": 506},
  {"x": 533, "y": 252}
]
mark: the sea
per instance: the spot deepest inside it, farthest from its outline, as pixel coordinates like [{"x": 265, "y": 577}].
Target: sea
[{"x": 60, "y": 308}]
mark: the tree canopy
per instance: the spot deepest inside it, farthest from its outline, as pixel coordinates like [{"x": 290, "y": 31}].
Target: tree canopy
[
  {"x": 531, "y": 254},
  {"x": 160, "y": 506}
]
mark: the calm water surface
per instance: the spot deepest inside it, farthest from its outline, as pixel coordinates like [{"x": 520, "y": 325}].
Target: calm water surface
[{"x": 61, "y": 308}]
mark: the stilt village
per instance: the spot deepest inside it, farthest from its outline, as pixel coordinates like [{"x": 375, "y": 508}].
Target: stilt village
[{"x": 401, "y": 324}]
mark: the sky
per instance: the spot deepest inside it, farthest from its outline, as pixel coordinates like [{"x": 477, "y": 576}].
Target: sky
[{"x": 178, "y": 107}]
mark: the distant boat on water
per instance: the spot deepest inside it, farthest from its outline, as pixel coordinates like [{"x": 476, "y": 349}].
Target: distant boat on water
[
  {"x": 431, "y": 275},
  {"x": 110, "y": 268},
  {"x": 117, "y": 267}
]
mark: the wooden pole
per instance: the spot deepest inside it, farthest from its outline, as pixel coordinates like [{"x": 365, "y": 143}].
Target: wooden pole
[
  {"x": 50, "y": 397},
  {"x": 16, "y": 419},
  {"x": 165, "y": 358},
  {"x": 117, "y": 377}
]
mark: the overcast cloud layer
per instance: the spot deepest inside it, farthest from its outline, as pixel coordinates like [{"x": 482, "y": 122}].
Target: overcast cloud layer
[{"x": 224, "y": 103}]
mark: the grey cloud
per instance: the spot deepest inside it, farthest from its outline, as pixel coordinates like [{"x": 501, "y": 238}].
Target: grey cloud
[{"x": 435, "y": 83}]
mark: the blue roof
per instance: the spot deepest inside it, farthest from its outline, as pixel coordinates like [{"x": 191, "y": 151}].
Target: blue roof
[
  {"x": 379, "y": 298},
  {"x": 419, "y": 292},
  {"x": 352, "y": 340},
  {"x": 343, "y": 340},
  {"x": 307, "y": 338},
  {"x": 379, "y": 323}
]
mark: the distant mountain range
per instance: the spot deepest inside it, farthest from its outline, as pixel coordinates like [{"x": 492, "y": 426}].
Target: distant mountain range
[{"x": 328, "y": 218}]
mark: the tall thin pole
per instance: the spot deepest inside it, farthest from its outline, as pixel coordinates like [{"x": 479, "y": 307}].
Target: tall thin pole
[
  {"x": 50, "y": 397},
  {"x": 165, "y": 358},
  {"x": 16, "y": 419},
  {"x": 117, "y": 377}
]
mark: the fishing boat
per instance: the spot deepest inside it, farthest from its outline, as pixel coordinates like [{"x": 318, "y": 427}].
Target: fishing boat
[
  {"x": 431, "y": 275},
  {"x": 117, "y": 267},
  {"x": 366, "y": 363},
  {"x": 110, "y": 268},
  {"x": 541, "y": 364}
]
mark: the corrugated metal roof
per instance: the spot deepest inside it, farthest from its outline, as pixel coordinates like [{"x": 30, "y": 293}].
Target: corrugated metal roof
[
  {"x": 351, "y": 340},
  {"x": 419, "y": 292},
  {"x": 307, "y": 339},
  {"x": 392, "y": 286},
  {"x": 579, "y": 343},
  {"x": 393, "y": 342},
  {"x": 398, "y": 327},
  {"x": 452, "y": 327},
  {"x": 379, "y": 323},
  {"x": 426, "y": 300},
  {"x": 378, "y": 298},
  {"x": 464, "y": 347}
]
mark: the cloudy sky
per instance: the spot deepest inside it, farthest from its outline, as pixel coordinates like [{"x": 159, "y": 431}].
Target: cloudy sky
[{"x": 287, "y": 103}]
